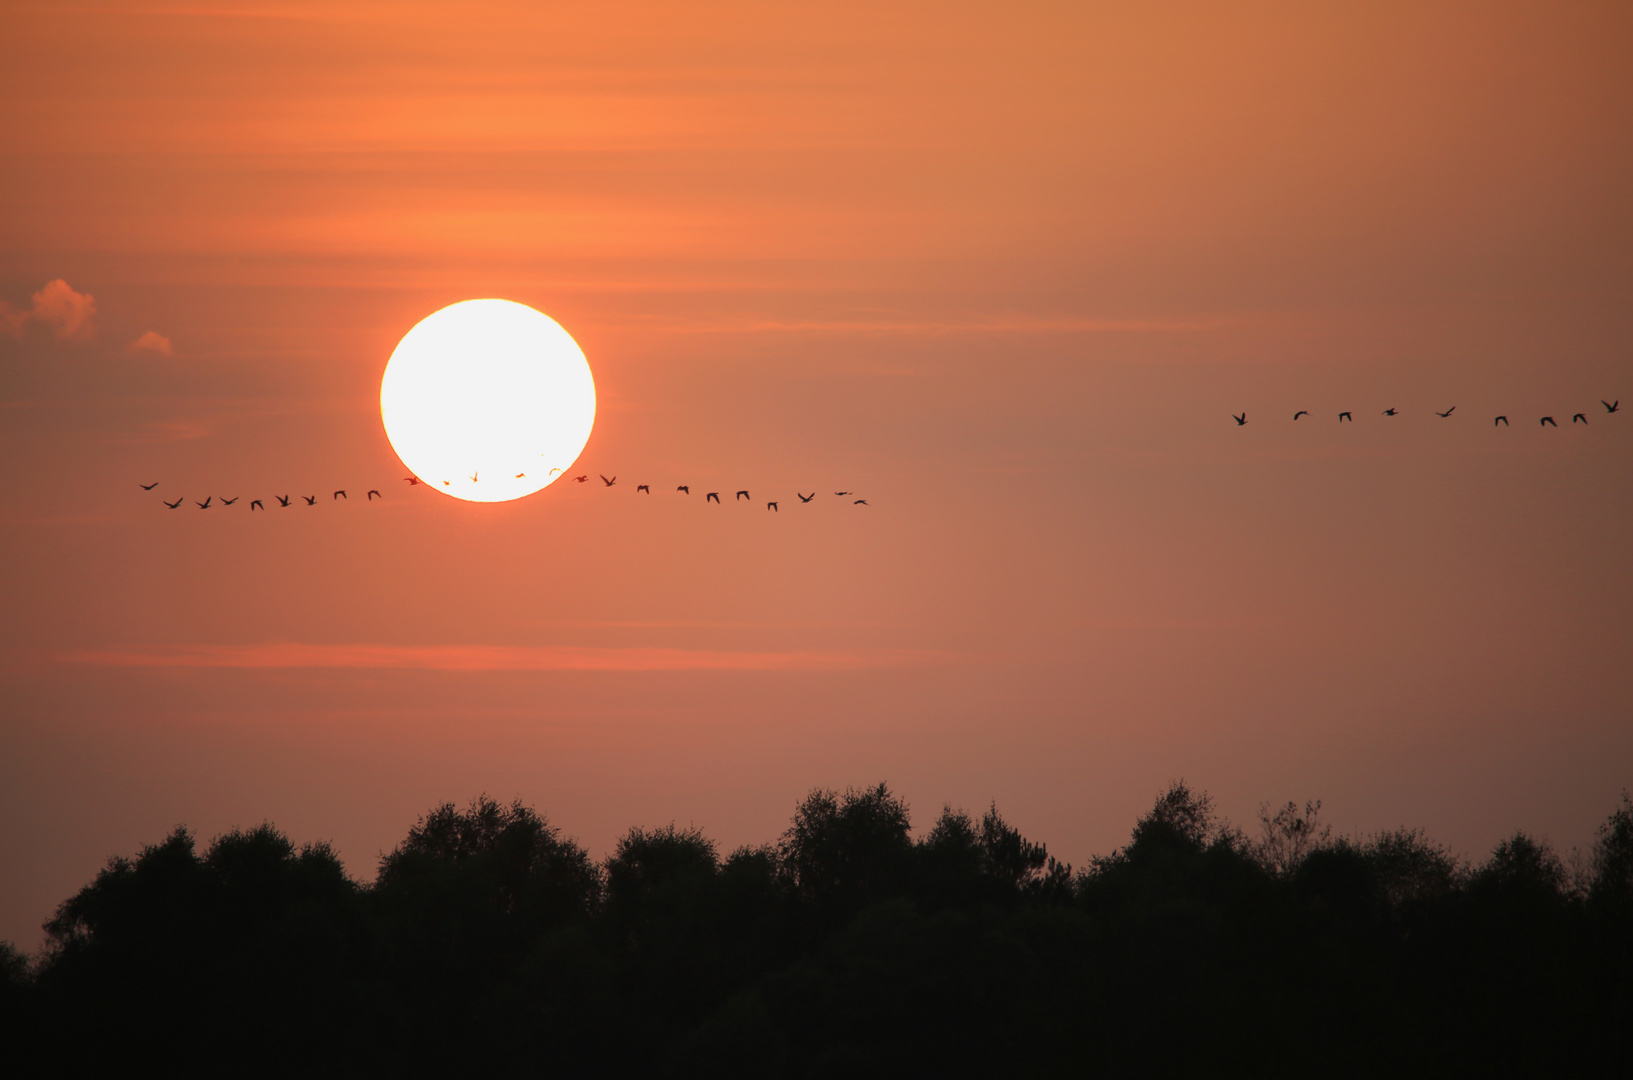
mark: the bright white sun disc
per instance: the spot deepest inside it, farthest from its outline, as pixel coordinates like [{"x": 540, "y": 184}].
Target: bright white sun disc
[{"x": 488, "y": 400}]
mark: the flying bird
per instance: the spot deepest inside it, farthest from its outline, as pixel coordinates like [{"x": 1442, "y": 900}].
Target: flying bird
[
  {"x": 1345, "y": 416},
  {"x": 1579, "y": 417},
  {"x": 229, "y": 502},
  {"x": 520, "y": 475},
  {"x": 684, "y": 488},
  {"x": 1447, "y": 413},
  {"x": 283, "y": 500},
  {"x": 175, "y": 504},
  {"x": 1389, "y": 412},
  {"x": 1240, "y": 420},
  {"x": 806, "y": 498},
  {"x": 552, "y": 471},
  {"x": 607, "y": 482},
  {"x": 741, "y": 495},
  {"x": 205, "y": 505},
  {"x": 255, "y": 504},
  {"x": 713, "y": 495},
  {"x": 373, "y": 494},
  {"x": 338, "y": 495},
  {"x": 643, "y": 487},
  {"x": 580, "y": 479},
  {"x": 147, "y": 487},
  {"x": 842, "y": 494},
  {"x": 412, "y": 480},
  {"x": 1301, "y": 412},
  {"x": 311, "y": 500},
  {"x": 1503, "y": 420},
  {"x": 1547, "y": 420},
  {"x": 474, "y": 475},
  {"x": 860, "y": 502},
  {"x": 772, "y": 506},
  {"x": 1611, "y": 406}
]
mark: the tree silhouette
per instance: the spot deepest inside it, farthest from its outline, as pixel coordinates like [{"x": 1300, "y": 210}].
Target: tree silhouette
[
  {"x": 1288, "y": 836},
  {"x": 1612, "y": 888},
  {"x": 490, "y": 944}
]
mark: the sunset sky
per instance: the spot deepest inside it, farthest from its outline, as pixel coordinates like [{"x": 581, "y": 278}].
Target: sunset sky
[{"x": 1006, "y": 270}]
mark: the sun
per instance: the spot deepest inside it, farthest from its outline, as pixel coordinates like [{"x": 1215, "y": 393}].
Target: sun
[{"x": 487, "y": 400}]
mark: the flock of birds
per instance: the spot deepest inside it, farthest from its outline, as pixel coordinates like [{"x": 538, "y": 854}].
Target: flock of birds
[
  {"x": 414, "y": 481},
  {"x": 714, "y": 496},
  {"x": 1546, "y": 421}
]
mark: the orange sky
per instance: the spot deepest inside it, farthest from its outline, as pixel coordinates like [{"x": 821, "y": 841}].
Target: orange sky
[{"x": 1004, "y": 269}]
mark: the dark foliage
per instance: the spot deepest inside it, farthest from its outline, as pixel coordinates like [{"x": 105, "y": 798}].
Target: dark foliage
[{"x": 491, "y": 945}]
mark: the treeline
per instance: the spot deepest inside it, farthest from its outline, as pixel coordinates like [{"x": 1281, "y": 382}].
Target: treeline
[{"x": 491, "y": 945}]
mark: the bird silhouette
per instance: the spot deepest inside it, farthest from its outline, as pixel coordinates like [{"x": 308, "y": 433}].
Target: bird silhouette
[
  {"x": 229, "y": 502},
  {"x": 474, "y": 475},
  {"x": 1240, "y": 420},
  {"x": 1447, "y": 413},
  {"x": 1579, "y": 418},
  {"x": 338, "y": 495},
  {"x": 373, "y": 494},
  {"x": 520, "y": 475},
  {"x": 412, "y": 480},
  {"x": 175, "y": 504},
  {"x": 205, "y": 505},
  {"x": 255, "y": 504},
  {"x": 806, "y": 498},
  {"x": 1345, "y": 416},
  {"x": 643, "y": 487},
  {"x": 1503, "y": 420},
  {"x": 683, "y": 488},
  {"x": 841, "y": 494},
  {"x": 1547, "y": 420},
  {"x": 311, "y": 500},
  {"x": 713, "y": 496},
  {"x": 741, "y": 495},
  {"x": 283, "y": 500},
  {"x": 552, "y": 471},
  {"x": 1301, "y": 412},
  {"x": 1389, "y": 412},
  {"x": 447, "y": 483},
  {"x": 580, "y": 479},
  {"x": 1611, "y": 406},
  {"x": 147, "y": 487},
  {"x": 772, "y": 506},
  {"x": 607, "y": 482},
  {"x": 860, "y": 502}
]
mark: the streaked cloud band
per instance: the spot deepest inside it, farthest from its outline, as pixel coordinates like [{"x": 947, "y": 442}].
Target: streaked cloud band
[{"x": 491, "y": 658}]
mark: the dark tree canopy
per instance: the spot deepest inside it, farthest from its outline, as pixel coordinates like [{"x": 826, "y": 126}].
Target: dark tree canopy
[{"x": 490, "y": 944}]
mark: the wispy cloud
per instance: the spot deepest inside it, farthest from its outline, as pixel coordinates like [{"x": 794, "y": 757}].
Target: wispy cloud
[
  {"x": 71, "y": 315},
  {"x": 491, "y": 658},
  {"x": 152, "y": 342}
]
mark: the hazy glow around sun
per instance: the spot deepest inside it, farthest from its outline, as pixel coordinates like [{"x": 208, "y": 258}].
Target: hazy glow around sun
[{"x": 488, "y": 389}]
